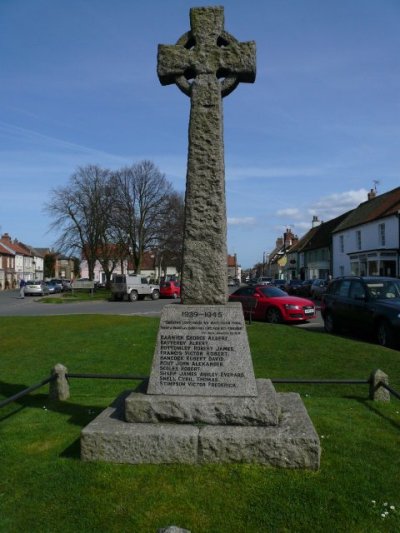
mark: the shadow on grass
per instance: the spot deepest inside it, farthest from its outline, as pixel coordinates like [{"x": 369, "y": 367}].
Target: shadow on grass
[
  {"x": 73, "y": 451},
  {"x": 78, "y": 414},
  {"x": 375, "y": 409}
]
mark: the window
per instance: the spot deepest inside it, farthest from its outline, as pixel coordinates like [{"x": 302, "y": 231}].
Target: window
[
  {"x": 373, "y": 269},
  {"x": 343, "y": 289},
  {"x": 382, "y": 236},
  {"x": 357, "y": 290},
  {"x": 358, "y": 239},
  {"x": 341, "y": 243},
  {"x": 355, "y": 268}
]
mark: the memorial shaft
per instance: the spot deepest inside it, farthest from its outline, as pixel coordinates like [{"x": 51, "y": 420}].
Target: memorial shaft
[
  {"x": 204, "y": 273},
  {"x": 207, "y": 63}
]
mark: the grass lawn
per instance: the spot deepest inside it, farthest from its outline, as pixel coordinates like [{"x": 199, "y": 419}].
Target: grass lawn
[
  {"x": 44, "y": 487},
  {"x": 76, "y": 296}
]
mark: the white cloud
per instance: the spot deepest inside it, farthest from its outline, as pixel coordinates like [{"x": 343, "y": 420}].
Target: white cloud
[
  {"x": 292, "y": 212},
  {"x": 241, "y": 221},
  {"x": 336, "y": 204},
  {"x": 325, "y": 208}
]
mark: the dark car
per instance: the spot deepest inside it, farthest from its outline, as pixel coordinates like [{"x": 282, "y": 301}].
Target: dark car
[
  {"x": 318, "y": 288},
  {"x": 53, "y": 288},
  {"x": 273, "y": 305},
  {"x": 58, "y": 283},
  {"x": 292, "y": 286},
  {"x": 304, "y": 288},
  {"x": 280, "y": 283},
  {"x": 364, "y": 304}
]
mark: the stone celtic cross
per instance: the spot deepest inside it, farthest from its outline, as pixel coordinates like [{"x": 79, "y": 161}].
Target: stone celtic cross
[{"x": 207, "y": 63}]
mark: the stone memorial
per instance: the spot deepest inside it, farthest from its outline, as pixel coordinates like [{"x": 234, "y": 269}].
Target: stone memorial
[{"x": 202, "y": 403}]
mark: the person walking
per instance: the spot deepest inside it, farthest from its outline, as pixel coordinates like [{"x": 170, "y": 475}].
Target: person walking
[{"x": 22, "y": 284}]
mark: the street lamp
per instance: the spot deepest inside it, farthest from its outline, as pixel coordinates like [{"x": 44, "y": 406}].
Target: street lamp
[{"x": 265, "y": 260}]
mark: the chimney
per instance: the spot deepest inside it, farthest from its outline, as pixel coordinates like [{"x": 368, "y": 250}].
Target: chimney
[
  {"x": 6, "y": 237},
  {"x": 288, "y": 237},
  {"x": 372, "y": 194},
  {"x": 315, "y": 221},
  {"x": 279, "y": 242}
]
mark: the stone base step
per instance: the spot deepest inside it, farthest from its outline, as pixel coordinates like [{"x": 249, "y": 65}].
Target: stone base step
[{"x": 293, "y": 443}]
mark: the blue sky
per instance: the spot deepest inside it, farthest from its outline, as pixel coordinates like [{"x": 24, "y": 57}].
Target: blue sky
[{"x": 320, "y": 125}]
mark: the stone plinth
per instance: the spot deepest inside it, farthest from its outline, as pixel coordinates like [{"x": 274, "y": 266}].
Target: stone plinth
[
  {"x": 292, "y": 443},
  {"x": 262, "y": 409}
]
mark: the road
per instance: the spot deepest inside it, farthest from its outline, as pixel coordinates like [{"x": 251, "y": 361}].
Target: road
[{"x": 12, "y": 305}]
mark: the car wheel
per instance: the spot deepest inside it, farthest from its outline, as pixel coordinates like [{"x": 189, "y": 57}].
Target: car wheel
[
  {"x": 330, "y": 324},
  {"x": 133, "y": 296},
  {"x": 174, "y": 296},
  {"x": 384, "y": 334},
  {"x": 155, "y": 295},
  {"x": 273, "y": 316}
]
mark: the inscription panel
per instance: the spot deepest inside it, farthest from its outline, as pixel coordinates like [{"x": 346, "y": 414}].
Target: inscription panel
[{"x": 202, "y": 350}]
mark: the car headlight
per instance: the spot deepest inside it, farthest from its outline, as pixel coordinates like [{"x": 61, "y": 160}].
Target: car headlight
[{"x": 292, "y": 306}]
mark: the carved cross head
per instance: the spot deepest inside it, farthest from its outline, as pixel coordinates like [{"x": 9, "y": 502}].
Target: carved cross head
[{"x": 207, "y": 51}]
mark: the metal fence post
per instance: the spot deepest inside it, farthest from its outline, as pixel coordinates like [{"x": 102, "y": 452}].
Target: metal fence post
[
  {"x": 376, "y": 391},
  {"x": 59, "y": 386}
]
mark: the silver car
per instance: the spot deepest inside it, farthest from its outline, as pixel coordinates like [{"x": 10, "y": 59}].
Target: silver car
[{"x": 35, "y": 288}]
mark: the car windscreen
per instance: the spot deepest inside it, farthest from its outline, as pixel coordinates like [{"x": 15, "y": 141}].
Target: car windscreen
[
  {"x": 272, "y": 292},
  {"x": 384, "y": 290}
]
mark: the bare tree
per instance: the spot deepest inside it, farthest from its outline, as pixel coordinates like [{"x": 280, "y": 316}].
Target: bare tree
[
  {"x": 81, "y": 214},
  {"x": 142, "y": 203},
  {"x": 171, "y": 238}
]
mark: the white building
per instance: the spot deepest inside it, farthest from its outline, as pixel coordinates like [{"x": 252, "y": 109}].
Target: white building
[{"x": 367, "y": 242}]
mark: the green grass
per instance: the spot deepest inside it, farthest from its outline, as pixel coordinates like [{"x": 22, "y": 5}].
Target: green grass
[
  {"x": 76, "y": 296},
  {"x": 44, "y": 487}
]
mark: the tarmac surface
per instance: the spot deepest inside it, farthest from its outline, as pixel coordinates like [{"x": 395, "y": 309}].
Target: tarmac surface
[{"x": 12, "y": 305}]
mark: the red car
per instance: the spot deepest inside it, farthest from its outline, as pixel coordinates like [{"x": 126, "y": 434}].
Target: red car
[
  {"x": 170, "y": 289},
  {"x": 273, "y": 305}
]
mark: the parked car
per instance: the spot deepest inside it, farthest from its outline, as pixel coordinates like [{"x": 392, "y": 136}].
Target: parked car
[
  {"x": 291, "y": 286},
  {"x": 58, "y": 283},
  {"x": 35, "y": 288},
  {"x": 170, "y": 289},
  {"x": 264, "y": 280},
  {"x": 305, "y": 288},
  {"x": 280, "y": 283},
  {"x": 66, "y": 283},
  {"x": 318, "y": 288},
  {"x": 364, "y": 304},
  {"x": 274, "y": 305},
  {"x": 53, "y": 288}
]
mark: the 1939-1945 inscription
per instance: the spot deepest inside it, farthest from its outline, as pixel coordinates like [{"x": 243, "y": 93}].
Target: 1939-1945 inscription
[{"x": 202, "y": 350}]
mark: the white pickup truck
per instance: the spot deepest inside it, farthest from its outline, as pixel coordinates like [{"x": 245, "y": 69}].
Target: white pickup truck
[{"x": 126, "y": 287}]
